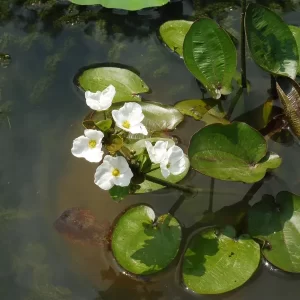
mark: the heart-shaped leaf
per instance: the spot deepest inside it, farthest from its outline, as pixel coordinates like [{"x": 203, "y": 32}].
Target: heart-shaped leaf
[
  {"x": 173, "y": 34},
  {"x": 128, "y": 84},
  {"x": 289, "y": 94},
  {"x": 270, "y": 41},
  {"x": 277, "y": 222},
  {"x": 210, "y": 56},
  {"x": 158, "y": 117},
  {"x": 121, "y": 4},
  {"x": 296, "y": 33},
  {"x": 234, "y": 152},
  {"x": 145, "y": 245},
  {"x": 217, "y": 262}
]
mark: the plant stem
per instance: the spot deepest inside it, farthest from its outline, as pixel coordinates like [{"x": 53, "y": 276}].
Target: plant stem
[
  {"x": 243, "y": 46},
  {"x": 233, "y": 103}
]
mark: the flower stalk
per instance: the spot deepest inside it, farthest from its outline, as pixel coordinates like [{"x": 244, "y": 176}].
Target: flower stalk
[{"x": 243, "y": 46}]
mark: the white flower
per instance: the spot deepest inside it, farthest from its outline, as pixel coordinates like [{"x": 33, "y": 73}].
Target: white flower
[
  {"x": 129, "y": 118},
  {"x": 100, "y": 100},
  {"x": 89, "y": 146},
  {"x": 113, "y": 171},
  {"x": 174, "y": 162},
  {"x": 157, "y": 152}
]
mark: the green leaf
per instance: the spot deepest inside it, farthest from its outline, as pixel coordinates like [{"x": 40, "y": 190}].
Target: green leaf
[
  {"x": 289, "y": 94},
  {"x": 278, "y": 223},
  {"x": 104, "y": 125},
  {"x": 173, "y": 34},
  {"x": 216, "y": 262},
  {"x": 158, "y": 117},
  {"x": 121, "y": 4},
  {"x": 118, "y": 193},
  {"x": 270, "y": 41},
  {"x": 149, "y": 186},
  {"x": 234, "y": 152},
  {"x": 195, "y": 108},
  {"x": 114, "y": 144},
  {"x": 296, "y": 33},
  {"x": 128, "y": 85},
  {"x": 210, "y": 56},
  {"x": 143, "y": 245}
]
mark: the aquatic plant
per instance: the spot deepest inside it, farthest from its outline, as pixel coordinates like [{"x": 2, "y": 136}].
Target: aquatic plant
[{"x": 140, "y": 155}]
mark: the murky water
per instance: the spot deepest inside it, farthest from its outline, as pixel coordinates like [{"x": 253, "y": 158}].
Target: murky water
[{"x": 41, "y": 112}]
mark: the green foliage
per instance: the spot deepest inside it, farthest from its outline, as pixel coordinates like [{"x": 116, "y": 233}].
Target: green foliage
[
  {"x": 296, "y": 33},
  {"x": 234, "y": 152},
  {"x": 119, "y": 193},
  {"x": 150, "y": 244},
  {"x": 270, "y": 41},
  {"x": 218, "y": 262},
  {"x": 210, "y": 56},
  {"x": 121, "y": 4},
  {"x": 128, "y": 85},
  {"x": 276, "y": 222}
]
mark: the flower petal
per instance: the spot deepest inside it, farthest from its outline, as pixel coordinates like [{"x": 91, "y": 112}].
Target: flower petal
[
  {"x": 164, "y": 170},
  {"x": 174, "y": 154},
  {"x": 80, "y": 146},
  {"x": 107, "y": 97},
  {"x": 157, "y": 152},
  {"x": 118, "y": 162},
  {"x": 124, "y": 178},
  {"x": 139, "y": 128},
  {"x": 135, "y": 112},
  {"x": 178, "y": 167},
  {"x": 103, "y": 176},
  {"x": 94, "y": 155},
  {"x": 94, "y": 135},
  {"x": 93, "y": 100}
]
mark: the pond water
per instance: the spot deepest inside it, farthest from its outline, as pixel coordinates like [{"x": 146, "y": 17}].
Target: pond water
[{"x": 41, "y": 112}]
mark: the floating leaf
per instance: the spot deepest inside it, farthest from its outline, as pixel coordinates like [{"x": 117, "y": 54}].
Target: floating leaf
[
  {"x": 173, "y": 34},
  {"x": 158, "y": 117},
  {"x": 278, "y": 223},
  {"x": 270, "y": 41},
  {"x": 104, "y": 125},
  {"x": 118, "y": 193},
  {"x": 143, "y": 245},
  {"x": 128, "y": 84},
  {"x": 216, "y": 262},
  {"x": 210, "y": 56},
  {"x": 195, "y": 108},
  {"x": 289, "y": 93},
  {"x": 234, "y": 152},
  {"x": 296, "y": 33},
  {"x": 121, "y": 4},
  {"x": 148, "y": 186}
]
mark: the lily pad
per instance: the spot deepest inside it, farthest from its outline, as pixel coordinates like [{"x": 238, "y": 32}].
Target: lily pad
[
  {"x": 296, "y": 33},
  {"x": 121, "y": 4},
  {"x": 128, "y": 84},
  {"x": 234, "y": 152},
  {"x": 143, "y": 245},
  {"x": 277, "y": 221},
  {"x": 210, "y": 56},
  {"x": 158, "y": 117},
  {"x": 148, "y": 186},
  {"x": 270, "y": 41},
  {"x": 196, "y": 108},
  {"x": 173, "y": 34},
  {"x": 218, "y": 262}
]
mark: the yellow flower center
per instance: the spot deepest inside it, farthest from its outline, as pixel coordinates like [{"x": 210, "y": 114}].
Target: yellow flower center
[
  {"x": 92, "y": 143},
  {"x": 115, "y": 172},
  {"x": 126, "y": 124}
]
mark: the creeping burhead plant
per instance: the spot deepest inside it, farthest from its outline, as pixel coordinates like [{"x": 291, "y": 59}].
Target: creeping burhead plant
[{"x": 121, "y": 163}]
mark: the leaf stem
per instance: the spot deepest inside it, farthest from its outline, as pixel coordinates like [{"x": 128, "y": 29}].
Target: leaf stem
[
  {"x": 233, "y": 103},
  {"x": 243, "y": 46}
]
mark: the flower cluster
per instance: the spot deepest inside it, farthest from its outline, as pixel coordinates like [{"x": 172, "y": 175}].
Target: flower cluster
[{"x": 115, "y": 170}]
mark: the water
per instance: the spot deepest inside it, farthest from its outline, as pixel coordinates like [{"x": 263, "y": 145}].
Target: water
[{"x": 40, "y": 178}]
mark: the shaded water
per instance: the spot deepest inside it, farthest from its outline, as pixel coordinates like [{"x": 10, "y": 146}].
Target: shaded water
[{"x": 41, "y": 112}]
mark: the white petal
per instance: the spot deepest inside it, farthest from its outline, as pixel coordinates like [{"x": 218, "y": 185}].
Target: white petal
[
  {"x": 124, "y": 178},
  {"x": 94, "y": 135},
  {"x": 103, "y": 176},
  {"x": 135, "y": 113},
  {"x": 80, "y": 146},
  {"x": 119, "y": 117},
  {"x": 107, "y": 97},
  {"x": 174, "y": 154},
  {"x": 178, "y": 167},
  {"x": 93, "y": 100},
  {"x": 157, "y": 152},
  {"x": 164, "y": 170},
  {"x": 139, "y": 128},
  {"x": 94, "y": 155},
  {"x": 118, "y": 162}
]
